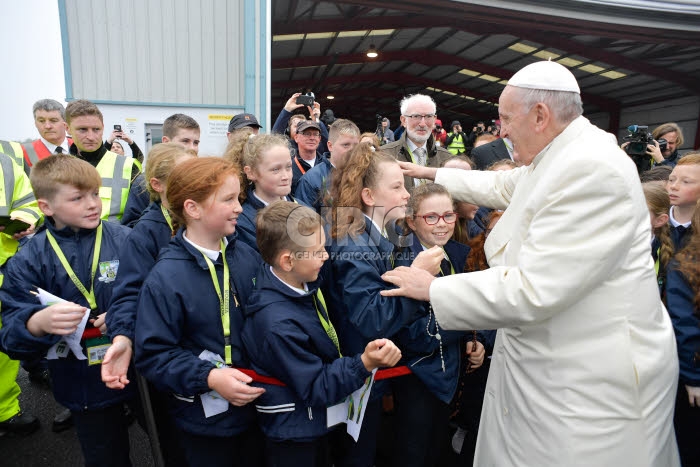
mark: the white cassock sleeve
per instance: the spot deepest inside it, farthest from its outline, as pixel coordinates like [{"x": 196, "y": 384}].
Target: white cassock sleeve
[{"x": 573, "y": 233}]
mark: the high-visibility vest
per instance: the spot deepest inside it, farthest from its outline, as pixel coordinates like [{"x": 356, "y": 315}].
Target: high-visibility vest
[
  {"x": 17, "y": 198},
  {"x": 457, "y": 145},
  {"x": 115, "y": 171},
  {"x": 14, "y": 150},
  {"x": 37, "y": 150}
]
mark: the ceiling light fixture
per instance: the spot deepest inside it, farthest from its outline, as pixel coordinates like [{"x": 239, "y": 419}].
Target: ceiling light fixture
[
  {"x": 330, "y": 97},
  {"x": 372, "y": 52}
]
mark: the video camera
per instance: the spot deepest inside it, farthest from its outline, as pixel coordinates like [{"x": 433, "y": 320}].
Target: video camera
[
  {"x": 307, "y": 99},
  {"x": 639, "y": 137}
]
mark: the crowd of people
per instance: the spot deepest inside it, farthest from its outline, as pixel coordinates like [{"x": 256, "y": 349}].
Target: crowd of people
[{"x": 503, "y": 297}]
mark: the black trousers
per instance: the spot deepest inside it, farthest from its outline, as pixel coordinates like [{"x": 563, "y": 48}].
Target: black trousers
[
  {"x": 686, "y": 420},
  {"x": 242, "y": 450},
  {"x": 347, "y": 452},
  {"x": 421, "y": 424},
  {"x": 103, "y": 436},
  {"x": 314, "y": 453}
]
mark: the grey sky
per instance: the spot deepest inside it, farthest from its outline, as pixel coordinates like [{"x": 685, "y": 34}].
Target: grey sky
[{"x": 32, "y": 63}]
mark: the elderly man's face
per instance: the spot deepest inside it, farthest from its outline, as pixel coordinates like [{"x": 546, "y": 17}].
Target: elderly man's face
[
  {"x": 518, "y": 124},
  {"x": 420, "y": 128}
]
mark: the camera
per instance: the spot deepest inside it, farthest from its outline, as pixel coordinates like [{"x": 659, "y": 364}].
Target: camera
[
  {"x": 306, "y": 99},
  {"x": 118, "y": 128},
  {"x": 639, "y": 137}
]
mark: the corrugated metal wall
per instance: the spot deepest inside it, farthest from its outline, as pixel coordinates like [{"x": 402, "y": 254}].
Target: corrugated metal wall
[{"x": 157, "y": 51}]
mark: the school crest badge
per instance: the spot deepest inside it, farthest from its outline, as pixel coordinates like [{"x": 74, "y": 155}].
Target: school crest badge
[{"x": 108, "y": 271}]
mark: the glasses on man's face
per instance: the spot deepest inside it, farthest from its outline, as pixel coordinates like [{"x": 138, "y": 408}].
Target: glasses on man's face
[
  {"x": 433, "y": 218},
  {"x": 311, "y": 134},
  {"x": 419, "y": 117}
]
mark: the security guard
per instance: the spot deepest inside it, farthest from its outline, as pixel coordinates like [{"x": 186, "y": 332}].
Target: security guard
[
  {"x": 85, "y": 124},
  {"x": 17, "y": 202}
]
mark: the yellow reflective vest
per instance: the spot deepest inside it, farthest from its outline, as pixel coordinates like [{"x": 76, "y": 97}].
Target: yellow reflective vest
[
  {"x": 16, "y": 201},
  {"x": 457, "y": 145},
  {"x": 115, "y": 171},
  {"x": 14, "y": 150}
]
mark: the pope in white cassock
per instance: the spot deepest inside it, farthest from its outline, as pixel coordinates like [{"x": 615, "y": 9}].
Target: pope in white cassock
[{"x": 584, "y": 370}]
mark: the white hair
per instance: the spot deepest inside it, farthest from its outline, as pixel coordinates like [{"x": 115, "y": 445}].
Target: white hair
[
  {"x": 414, "y": 99},
  {"x": 566, "y": 106}
]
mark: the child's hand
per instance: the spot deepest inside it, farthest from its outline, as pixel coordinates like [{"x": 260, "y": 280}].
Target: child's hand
[
  {"x": 116, "y": 363},
  {"x": 233, "y": 386},
  {"x": 429, "y": 260},
  {"x": 60, "y": 319},
  {"x": 380, "y": 353},
  {"x": 99, "y": 322},
  {"x": 476, "y": 355}
]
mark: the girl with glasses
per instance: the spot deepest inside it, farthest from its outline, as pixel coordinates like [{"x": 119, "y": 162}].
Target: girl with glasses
[{"x": 422, "y": 399}]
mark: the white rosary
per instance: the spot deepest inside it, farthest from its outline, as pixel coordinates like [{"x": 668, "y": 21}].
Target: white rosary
[{"x": 431, "y": 316}]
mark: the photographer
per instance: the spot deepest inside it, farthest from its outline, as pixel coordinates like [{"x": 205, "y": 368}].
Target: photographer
[
  {"x": 659, "y": 147},
  {"x": 439, "y": 133},
  {"x": 281, "y": 125},
  {"x": 118, "y": 133},
  {"x": 673, "y": 135},
  {"x": 477, "y": 131},
  {"x": 383, "y": 131},
  {"x": 457, "y": 141}
]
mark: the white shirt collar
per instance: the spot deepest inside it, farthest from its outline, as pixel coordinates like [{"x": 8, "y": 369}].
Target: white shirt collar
[
  {"x": 413, "y": 147},
  {"x": 303, "y": 291},
  {"x": 674, "y": 222},
  {"x": 211, "y": 254},
  {"x": 52, "y": 147}
]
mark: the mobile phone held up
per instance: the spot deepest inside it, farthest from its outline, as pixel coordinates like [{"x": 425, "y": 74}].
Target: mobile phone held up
[
  {"x": 118, "y": 128},
  {"x": 306, "y": 99}
]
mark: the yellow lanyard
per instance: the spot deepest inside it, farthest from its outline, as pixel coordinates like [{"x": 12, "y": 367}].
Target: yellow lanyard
[
  {"x": 326, "y": 323},
  {"x": 89, "y": 295},
  {"x": 166, "y": 214},
  {"x": 224, "y": 300}
]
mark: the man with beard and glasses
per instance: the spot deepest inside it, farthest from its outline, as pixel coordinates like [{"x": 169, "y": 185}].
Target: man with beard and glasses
[{"x": 417, "y": 144}]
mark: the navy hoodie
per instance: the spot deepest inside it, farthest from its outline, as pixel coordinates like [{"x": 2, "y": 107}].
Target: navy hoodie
[
  {"x": 76, "y": 384},
  {"x": 284, "y": 338},
  {"x": 178, "y": 317}
]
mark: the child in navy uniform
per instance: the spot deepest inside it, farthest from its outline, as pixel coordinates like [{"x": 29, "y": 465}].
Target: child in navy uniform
[
  {"x": 422, "y": 399},
  {"x": 74, "y": 258},
  {"x": 151, "y": 233},
  {"x": 369, "y": 196},
  {"x": 189, "y": 313},
  {"x": 289, "y": 336},
  {"x": 267, "y": 168}
]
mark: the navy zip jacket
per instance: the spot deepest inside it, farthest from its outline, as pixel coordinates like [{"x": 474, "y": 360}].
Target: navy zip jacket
[
  {"x": 76, "y": 385},
  {"x": 421, "y": 352},
  {"x": 178, "y": 317},
  {"x": 246, "y": 220},
  {"x": 138, "y": 255},
  {"x": 680, "y": 301},
  {"x": 137, "y": 201},
  {"x": 360, "y": 314},
  {"x": 314, "y": 184},
  {"x": 284, "y": 338}
]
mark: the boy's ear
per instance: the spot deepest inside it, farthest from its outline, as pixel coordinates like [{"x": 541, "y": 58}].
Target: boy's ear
[
  {"x": 192, "y": 209},
  {"x": 165, "y": 139},
  {"x": 284, "y": 261},
  {"x": 367, "y": 197},
  {"x": 45, "y": 206}
]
